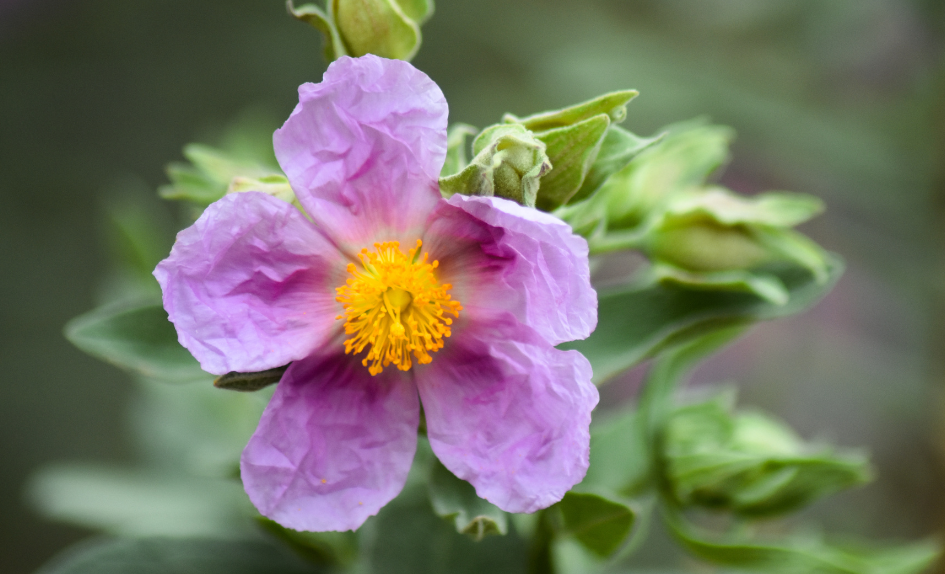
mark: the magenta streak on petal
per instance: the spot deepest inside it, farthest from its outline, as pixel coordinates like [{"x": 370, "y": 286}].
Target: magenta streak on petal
[
  {"x": 250, "y": 286},
  {"x": 510, "y": 414},
  {"x": 502, "y": 257},
  {"x": 334, "y": 445}
]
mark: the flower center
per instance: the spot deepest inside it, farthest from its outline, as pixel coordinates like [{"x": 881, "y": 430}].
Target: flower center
[{"x": 395, "y": 306}]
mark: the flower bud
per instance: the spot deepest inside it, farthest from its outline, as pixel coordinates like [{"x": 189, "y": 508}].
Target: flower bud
[
  {"x": 711, "y": 238},
  {"x": 388, "y": 28},
  {"x": 747, "y": 462},
  {"x": 509, "y": 162}
]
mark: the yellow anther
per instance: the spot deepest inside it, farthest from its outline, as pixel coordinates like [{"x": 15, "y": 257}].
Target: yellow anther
[{"x": 394, "y": 307}]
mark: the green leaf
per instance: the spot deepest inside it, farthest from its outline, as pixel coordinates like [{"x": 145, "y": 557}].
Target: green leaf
[
  {"x": 684, "y": 157},
  {"x": 748, "y": 463},
  {"x": 315, "y": 17},
  {"x": 612, "y": 104},
  {"x": 619, "y": 458},
  {"x": 617, "y": 150},
  {"x": 808, "y": 553},
  {"x": 602, "y": 524},
  {"x": 220, "y": 166},
  {"x": 209, "y": 174},
  {"x": 210, "y": 426},
  {"x": 635, "y": 322},
  {"x": 455, "y": 500},
  {"x": 407, "y": 538},
  {"x": 328, "y": 548},
  {"x": 249, "y": 382},
  {"x": 572, "y": 150},
  {"x": 134, "y": 503},
  {"x": 456, "y": 158},
  {"x": 136, "y": 336},
  {"x": 171, "y": 556},
  {"x": 377, "y": 27},
  {"x": 190, "y": 184}
]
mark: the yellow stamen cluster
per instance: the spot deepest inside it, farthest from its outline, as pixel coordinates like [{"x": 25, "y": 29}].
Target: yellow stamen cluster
[{"x": 394, "y": 306}]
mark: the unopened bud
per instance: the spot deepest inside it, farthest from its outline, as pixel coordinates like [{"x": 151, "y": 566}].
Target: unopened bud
[{"x": 509, "y": 162}]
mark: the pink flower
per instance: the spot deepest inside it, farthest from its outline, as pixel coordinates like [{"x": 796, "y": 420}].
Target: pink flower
[{"x": 383, "y": 296}]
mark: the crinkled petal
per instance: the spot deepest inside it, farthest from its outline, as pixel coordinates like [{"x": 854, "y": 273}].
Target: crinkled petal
[
  {"x": 510, "y": 414},
  {"x": 501, "y": 257},
  {"x": 251, "y": 285},
  {"x": 363, "y": 150},
  {"x": 334, "y": 445}
]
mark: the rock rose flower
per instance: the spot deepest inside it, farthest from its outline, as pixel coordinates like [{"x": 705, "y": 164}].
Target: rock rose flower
[{"x": 384, "y": 296}]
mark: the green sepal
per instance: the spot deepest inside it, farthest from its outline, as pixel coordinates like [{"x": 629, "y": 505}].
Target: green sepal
[
  {"x": 249, "y": 382},
  {"x": 509, "y": 162},
  {"x": 805, "y": 552},
  {"x": 456, "y": 158},
  {"x": 176, "y": 556},
  {"x": 617, "y": 150},
  {"x": 636, "y": 321},
  {"x": 136, "y": 336},
  {"x": 572, "y": 150},
  {"x": 417, "y": 10},
  {"x": 748, "y": 463},
  {"x": 612, "y": 104},
  {"x": 339, "y": 549},
  {"x": 456, "y": 501},
  {"x": 315, "y": 17},
  {"x": 379, "y": 27},
  {"x": 601, "y": 523}
]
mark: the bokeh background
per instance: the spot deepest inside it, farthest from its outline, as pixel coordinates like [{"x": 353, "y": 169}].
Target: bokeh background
[{"x": 842, "y": 99}]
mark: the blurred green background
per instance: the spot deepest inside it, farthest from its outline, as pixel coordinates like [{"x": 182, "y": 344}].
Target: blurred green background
[{"x": 842, "y": 99}]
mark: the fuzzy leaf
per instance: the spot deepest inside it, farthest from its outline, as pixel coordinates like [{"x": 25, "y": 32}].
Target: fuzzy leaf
[
  {"x": 572, "y": 150},
  {"x": 636, "y": 321},
  {"x": 806, "y": 553},
  {"x": 134, "y": 503},
  {"x": 455, "y": 500},
  {"x": 617, "y": 150},
  {"x": 612, "y": 104},
  {"x": 174, "y": 556},
  {"x": 135, "y": 336},
  {"x": 602, "y": 524}
]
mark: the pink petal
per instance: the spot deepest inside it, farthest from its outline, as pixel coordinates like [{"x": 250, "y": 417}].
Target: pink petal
[
  {"x": 251, "y": 285},
  {"x": 501, "y": 257},
  {"x": 363, "y": 150},
  {"x": 510, "y": 414},
  {"x": 333, "y": 446}
]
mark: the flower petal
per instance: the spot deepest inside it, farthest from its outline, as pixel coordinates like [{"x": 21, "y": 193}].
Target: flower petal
[
  {"x": 503, "y": 257},
  {"x": 334, "y": 445},
  {"x": 363, "y": 150},
  {"x": 510, "y": 414},
  {"x": 250, "y": 285}
]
